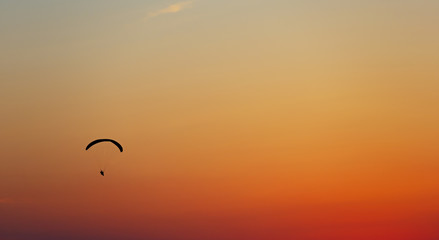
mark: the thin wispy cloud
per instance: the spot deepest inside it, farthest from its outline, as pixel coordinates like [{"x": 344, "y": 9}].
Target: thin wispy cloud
[
  {"x": 5, "y": 200},
  {"x": 174, "y": 8}
]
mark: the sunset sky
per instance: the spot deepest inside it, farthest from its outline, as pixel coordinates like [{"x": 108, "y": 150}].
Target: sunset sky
[{"x": 240, "y": 120}]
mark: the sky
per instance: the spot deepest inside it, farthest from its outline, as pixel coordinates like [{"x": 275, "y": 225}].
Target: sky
[{"x": 259, "y": 120}]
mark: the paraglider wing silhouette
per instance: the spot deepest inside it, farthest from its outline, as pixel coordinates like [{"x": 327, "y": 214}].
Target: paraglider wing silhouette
[{"x": 105, "y": 140}]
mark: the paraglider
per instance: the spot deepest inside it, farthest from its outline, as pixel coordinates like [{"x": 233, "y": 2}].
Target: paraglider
[
  {"x": 104, "y": 140},
  {"x": 105, "y": 160}
]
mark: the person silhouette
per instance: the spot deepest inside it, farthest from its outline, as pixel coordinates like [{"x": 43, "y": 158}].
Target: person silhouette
[{"x": 101, "y": 172}]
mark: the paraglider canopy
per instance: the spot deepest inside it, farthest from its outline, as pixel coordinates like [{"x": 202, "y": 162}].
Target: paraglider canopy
[{"x": 104, "y": 140}]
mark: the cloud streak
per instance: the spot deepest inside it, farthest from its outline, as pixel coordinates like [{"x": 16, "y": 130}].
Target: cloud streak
[
  {"x": 174, "y": 8},
  {"x": 5, "y": 200}
]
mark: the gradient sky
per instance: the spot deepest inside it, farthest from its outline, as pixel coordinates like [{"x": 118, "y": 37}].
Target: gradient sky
[{"x": 258, "y": 120}]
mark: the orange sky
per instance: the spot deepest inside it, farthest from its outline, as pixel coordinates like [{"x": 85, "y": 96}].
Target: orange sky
[{"x": 239, "y": 119}]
